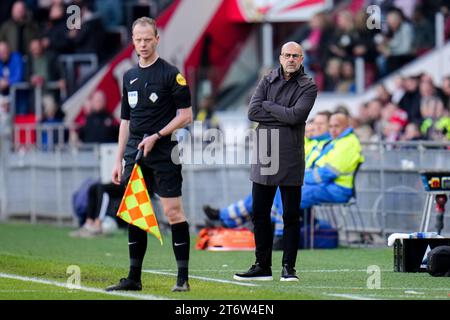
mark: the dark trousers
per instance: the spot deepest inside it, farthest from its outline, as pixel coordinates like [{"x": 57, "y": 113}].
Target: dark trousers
[
  {"x": 262, "y": 203},
  {"x": 96, "y": 197}
]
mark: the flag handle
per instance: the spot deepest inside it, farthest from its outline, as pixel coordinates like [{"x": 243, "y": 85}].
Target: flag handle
[{"x": 141, "y": 151}]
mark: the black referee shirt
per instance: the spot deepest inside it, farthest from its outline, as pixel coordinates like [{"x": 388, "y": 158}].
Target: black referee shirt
[{"x": 151, "y": 97}]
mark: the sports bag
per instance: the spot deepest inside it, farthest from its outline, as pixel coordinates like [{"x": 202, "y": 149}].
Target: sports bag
[{"x": 225, "y": 239}]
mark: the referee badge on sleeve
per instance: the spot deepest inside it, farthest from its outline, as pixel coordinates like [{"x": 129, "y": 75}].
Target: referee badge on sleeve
[
  {"x": 132, "y": 98},
  {"x": 181, "y": 80}
]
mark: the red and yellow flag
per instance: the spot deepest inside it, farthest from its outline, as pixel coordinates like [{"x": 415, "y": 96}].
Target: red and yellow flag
[{"x": 136, "y": 207}]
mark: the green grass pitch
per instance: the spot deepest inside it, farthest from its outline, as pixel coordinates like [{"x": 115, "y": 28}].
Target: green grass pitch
[{"x": 35, "y": 260}]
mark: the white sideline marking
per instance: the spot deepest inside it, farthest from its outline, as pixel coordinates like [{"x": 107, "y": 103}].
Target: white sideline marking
[
  {"x": 82, "y": 288},
  {"x": 349, "y": 296},
  {"x": 203, "y": 278}
]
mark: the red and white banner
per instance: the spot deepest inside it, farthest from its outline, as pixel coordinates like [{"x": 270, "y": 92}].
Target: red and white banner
[{"x": 275, "y": 10}]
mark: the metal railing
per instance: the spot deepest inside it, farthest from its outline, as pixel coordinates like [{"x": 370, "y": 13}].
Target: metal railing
[
  {"x": 71, "y": 63},
  {"x": 37, "y": 91}
]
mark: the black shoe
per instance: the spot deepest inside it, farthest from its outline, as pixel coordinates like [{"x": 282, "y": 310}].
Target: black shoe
[
  {"x": 211, "y": 213},
  {"x": 181, "y": 286},
  {"x": 288, "y": 273},
  {"x": 126, "y": 285},
  {"x": 256, "y": 272}
]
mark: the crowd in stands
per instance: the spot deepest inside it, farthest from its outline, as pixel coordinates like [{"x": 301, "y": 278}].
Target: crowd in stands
[
  {"x": 34, "y": 34},
  {"x": 333, "y": 42},
  {"x": 33, "y": 37},
  {"x": 416, "y": 109}
]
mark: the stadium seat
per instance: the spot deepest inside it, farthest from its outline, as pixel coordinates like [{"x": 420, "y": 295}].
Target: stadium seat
[{"x": 25, "y": 130}]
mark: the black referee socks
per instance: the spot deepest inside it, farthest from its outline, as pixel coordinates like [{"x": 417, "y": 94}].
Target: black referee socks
[
  {"x": 181, "y": 245},
  {"x": 137, "y": 244}
]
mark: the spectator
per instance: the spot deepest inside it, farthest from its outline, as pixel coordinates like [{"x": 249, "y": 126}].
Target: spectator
[
  {"x": 365, "y": 45},
  {"x": 399, "y": 90},
  {"x": 394, "y": 120},
  {"x": 37, "y": 68},
  {"x": 344, "y": 39},
  {"x": 435, "y": 117},
  {"x": 317, "y": 137},
  {"x": 410, "y": 102},
  {"x": 397, "y": 44},
  {"x": 309, "y": 130},
  {"x": 332, "y": 74},
  {"x": 55, "y": 36},
  {"x": 383, "y": 94},
  {"x": 423, "y": 32},
  {"x": 99, "y": 196},
  {"x": 429, "y": 94},
  {"x": 206, "y": 114},
  {"x": 342, "y": 109},
  {"x": 373, "y": 116},
  {"x": 11, "y": 72},
  {"x": 52, "y": 120},
  {"x": 319, "y": 36},
  {"x": 446, "y": 92},
  {"x": 362, "y": 129},
  {"x": 412, "y": 133},
  {"x": 19, "y": 29},
  {"x": 100, "y": 126},
  {"x": 90, "y": 37},
  {"x": 347, "y": 82},
  {"x": 42, "y": 68}
]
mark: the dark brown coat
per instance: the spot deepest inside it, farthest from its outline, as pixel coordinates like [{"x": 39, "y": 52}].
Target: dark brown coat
[{"x": 284, "y": 106}]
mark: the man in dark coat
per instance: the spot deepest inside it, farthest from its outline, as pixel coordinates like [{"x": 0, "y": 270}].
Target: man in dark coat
[
  {"x": 280, "y": 105},
  {"x": 19, "y": 29},
  {"x": 100, "y": 125}
]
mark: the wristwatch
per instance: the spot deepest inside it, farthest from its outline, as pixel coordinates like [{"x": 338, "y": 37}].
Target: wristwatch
[{"x": 159, "y": 135}]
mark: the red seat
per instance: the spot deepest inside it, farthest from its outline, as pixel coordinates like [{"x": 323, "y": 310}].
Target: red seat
[{"x": 25, "y": 129}]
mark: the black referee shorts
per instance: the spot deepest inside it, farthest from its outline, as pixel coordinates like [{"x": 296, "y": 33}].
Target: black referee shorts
[{"x": 161, "y": 175}]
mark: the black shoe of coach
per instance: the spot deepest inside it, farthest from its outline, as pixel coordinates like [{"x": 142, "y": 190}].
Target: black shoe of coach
[
  {"x": 256, "y": 272},
  {"x": 288, "y": 273}
]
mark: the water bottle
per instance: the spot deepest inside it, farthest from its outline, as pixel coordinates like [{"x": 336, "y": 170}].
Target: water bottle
[{"x": 423, "y": 235}]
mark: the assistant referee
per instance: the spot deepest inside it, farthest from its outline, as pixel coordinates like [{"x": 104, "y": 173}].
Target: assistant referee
[{"x": 156, "y": 101}]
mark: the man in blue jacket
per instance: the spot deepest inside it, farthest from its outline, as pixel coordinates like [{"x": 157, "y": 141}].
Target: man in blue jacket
[{"x": 11, "y": 69}]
